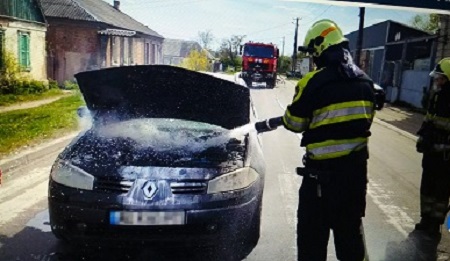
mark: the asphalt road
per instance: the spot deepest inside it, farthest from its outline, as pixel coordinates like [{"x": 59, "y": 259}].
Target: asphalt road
[{"x": 392, "y": 201}]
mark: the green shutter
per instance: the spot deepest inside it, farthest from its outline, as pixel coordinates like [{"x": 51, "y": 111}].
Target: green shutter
[{"x": 24, "y": 50}]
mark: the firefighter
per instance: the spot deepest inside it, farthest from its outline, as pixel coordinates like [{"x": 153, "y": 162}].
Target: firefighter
[
  {"x": 333, "y": 107},
  {"x": 434, "y": 143}
]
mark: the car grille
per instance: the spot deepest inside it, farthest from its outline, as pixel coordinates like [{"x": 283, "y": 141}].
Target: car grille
[
  {"x": 113, "y": 186},
  {"x": 123, "y": 186},
  {"x": 263, "y": 66},
  {"x": 188, "y": 187}
]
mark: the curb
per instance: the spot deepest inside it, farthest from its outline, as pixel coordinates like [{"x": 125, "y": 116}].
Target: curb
[
  {"x": 399, "y": 131},
  {"x": 34, "y": 154}
]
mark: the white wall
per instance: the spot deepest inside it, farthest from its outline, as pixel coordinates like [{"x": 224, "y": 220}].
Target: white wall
[
  {"x": 38, "y": 54},
  {"x": 412, "y": 86}
]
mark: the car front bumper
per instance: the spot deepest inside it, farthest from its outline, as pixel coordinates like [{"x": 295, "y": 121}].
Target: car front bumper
[{"x": 77, "y": 219}]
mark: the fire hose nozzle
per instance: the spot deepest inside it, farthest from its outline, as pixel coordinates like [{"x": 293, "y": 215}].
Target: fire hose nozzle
[{"x": 269, "y": 124}]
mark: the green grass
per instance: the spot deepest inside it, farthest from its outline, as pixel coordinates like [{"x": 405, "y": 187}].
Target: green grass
[
  {"x": 28, "y": 127},
  {"x": 9, "y": 99}
]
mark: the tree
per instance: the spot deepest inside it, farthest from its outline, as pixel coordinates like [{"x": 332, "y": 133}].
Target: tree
[
  {"x": 229, "y": 50},
  {"x": 426, "y": 22},
  {"x": 284, "y": 64},
  {"x": 196, "y": 61},
  {"x": 206, "y": 38}
]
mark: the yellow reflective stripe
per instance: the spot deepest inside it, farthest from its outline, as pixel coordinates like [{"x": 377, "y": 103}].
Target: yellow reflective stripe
[
  {"x": 303, "y": 82},
  {"x": 439, "y": 122},
  {"x": 342, "y": 115},
  {"x": 343, "y": 105},
  {"x": 335, "y": 148},
  {"x": 295, "y": 123},
  {"x": 340, "y": 119},
  {"x": 442, "y": 122}
]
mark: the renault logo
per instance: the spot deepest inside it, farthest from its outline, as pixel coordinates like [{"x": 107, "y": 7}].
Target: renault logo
[{"x": 150, "y": 189}]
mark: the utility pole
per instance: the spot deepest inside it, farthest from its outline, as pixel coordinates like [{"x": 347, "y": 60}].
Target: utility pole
[
  {"x": 282, "y": 50},
  {"x": 294, "y": 56},
  {"x": 359, "y": 41}
]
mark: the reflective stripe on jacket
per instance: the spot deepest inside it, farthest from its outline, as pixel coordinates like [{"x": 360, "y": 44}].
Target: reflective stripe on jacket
[{"x": 333, "y": 113}]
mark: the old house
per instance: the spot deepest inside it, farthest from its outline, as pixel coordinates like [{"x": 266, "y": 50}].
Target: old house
[
  {"x": 22, "y": 34},
  {"x": 92, "y": 34}
]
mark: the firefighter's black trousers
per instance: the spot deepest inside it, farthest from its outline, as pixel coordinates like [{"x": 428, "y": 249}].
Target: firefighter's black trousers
[
  {"x": 435, "y": 186},
  {"x": 340, "y": 207}
]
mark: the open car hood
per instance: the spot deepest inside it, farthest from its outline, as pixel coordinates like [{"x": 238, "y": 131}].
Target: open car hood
[{"x": 158, "y": 91}]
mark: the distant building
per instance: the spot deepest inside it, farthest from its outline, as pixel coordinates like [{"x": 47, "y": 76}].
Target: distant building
[
  {"x": 398, "y": 57},
  {"x": 22, "y": 34},
  {"x": 175, "y": 50},
  {"x": 92, "y": 34}
]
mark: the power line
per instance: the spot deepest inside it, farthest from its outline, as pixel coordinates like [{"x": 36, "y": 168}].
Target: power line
[
  {"x": 267, "y": 29},
  {"x": 264, "y": 39},
  {"x": 324, "y": 11}
]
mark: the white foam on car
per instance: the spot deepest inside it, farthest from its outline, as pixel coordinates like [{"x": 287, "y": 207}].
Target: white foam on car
[{"x": 181, "y": 136}]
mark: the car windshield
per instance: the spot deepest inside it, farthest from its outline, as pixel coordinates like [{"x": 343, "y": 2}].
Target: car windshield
[
  {"x": 259, "y": 51},
  {"x": 224, "y": 130}
]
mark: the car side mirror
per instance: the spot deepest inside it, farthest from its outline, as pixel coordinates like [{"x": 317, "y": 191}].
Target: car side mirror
[
  {"x": 278, "y": 52},
  {"x": 83, "y": 112},
  {"x": 240, "y": 49}
]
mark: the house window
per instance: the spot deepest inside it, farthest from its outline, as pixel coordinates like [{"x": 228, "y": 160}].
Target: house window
[
  {"x": 24, "y": 50},
  {"x": 131, "y": 51},
  {"x": 116, "y": 50}
]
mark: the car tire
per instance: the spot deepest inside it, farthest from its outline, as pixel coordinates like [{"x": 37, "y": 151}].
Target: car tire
[{"x": 270, "y": 84}]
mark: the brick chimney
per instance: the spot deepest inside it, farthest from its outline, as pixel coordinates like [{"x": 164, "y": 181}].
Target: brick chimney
[{"x": 117, "y": 5}]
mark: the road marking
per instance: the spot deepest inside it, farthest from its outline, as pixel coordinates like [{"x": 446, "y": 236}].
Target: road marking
[
  {"x": 289, "y": 187},
  {"x": 396, "y": 216}
]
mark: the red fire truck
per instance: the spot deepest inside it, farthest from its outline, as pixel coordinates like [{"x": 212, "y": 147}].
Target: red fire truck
[{"x": 259, "y": 63}]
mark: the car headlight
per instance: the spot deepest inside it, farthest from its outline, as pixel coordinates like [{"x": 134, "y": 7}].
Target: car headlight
[
  {"x": 71, "y": 176},
  {"x": 235, "y": 180}
]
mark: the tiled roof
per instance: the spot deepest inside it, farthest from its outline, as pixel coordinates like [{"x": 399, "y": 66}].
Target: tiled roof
[{"x": 94, "y": 11}]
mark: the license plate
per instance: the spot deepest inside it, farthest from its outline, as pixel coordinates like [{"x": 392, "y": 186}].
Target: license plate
[{"x": 143, "y": 218}]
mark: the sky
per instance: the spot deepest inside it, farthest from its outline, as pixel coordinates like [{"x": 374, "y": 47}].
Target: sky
[{"x": 260, "y": 20}]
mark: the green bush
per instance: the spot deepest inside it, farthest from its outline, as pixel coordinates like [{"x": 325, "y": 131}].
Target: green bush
[
  {"x": 52, "y": 84},
  {"x": 12, "y": 81},
  {"x": 71, "y": 85}
]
